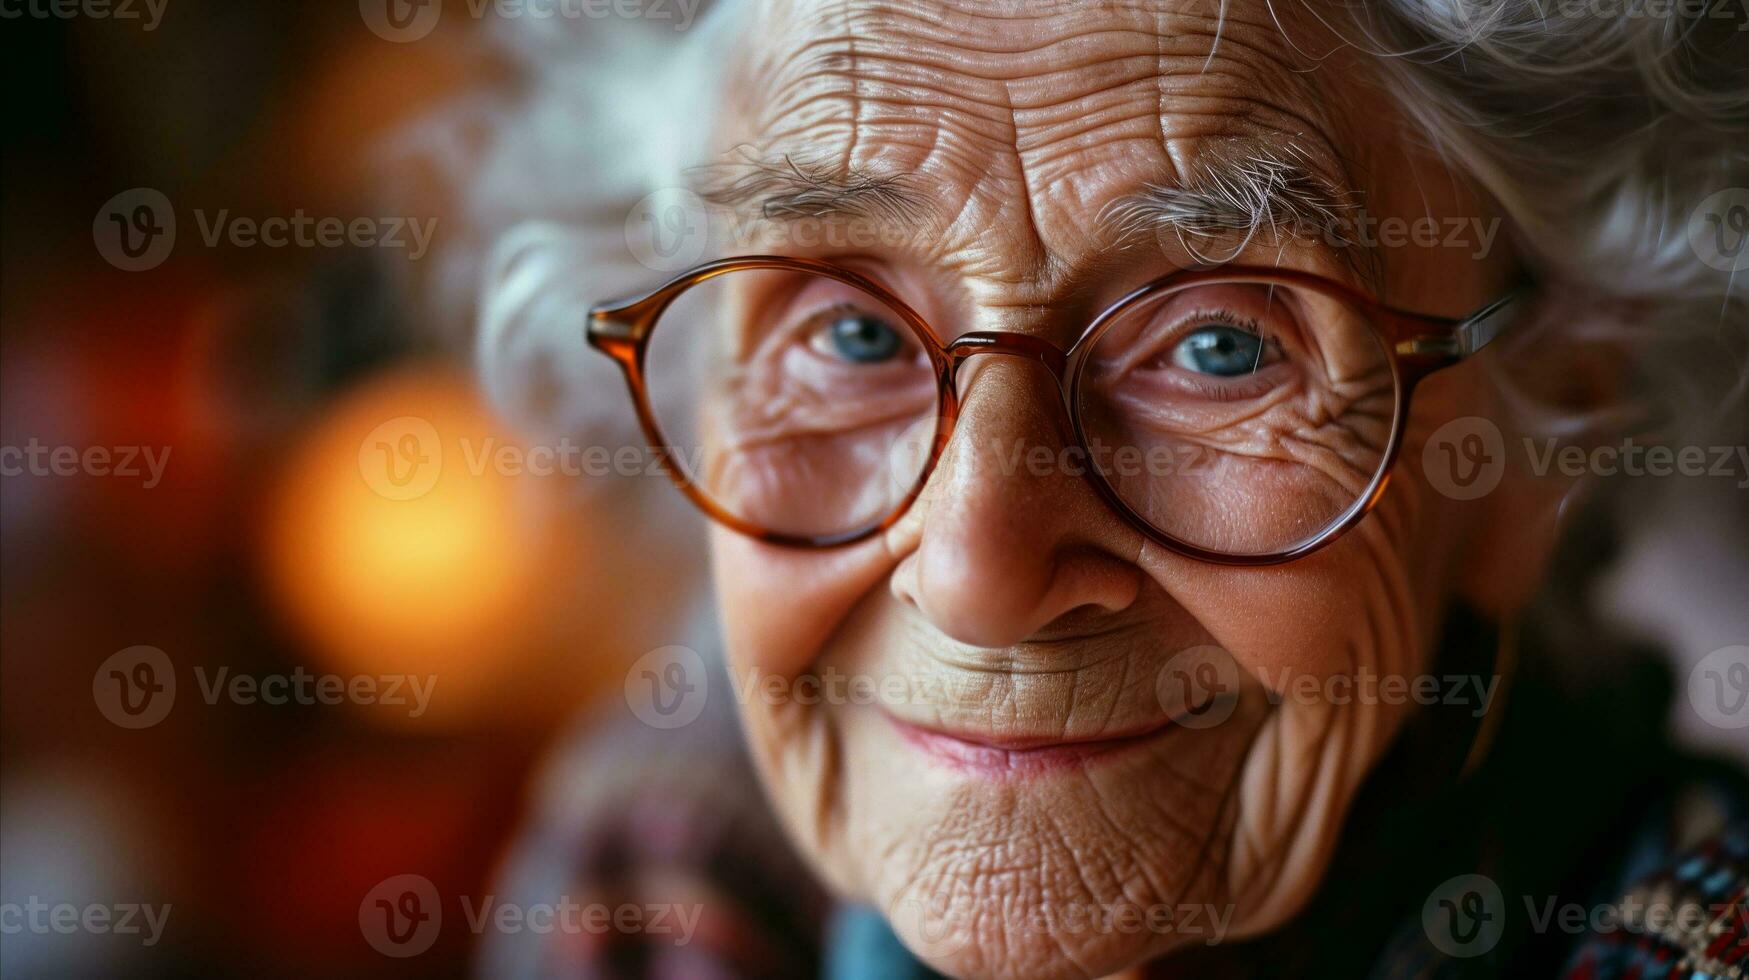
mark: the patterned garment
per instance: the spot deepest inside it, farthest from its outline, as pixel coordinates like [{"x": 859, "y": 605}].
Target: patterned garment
[{"x": 1688, "y": 920}]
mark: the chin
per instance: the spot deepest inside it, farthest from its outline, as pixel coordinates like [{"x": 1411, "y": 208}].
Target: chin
[{"x": 1024, "y": 855}]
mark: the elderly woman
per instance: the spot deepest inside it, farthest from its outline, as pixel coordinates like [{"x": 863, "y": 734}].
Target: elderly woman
[{"x": 1131, "y": 437}]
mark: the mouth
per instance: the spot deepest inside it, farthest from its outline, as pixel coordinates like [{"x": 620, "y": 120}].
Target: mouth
[{"x": 993, "y": 755}]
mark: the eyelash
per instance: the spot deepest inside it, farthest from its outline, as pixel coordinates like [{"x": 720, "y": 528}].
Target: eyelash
[
  {"x": 1225, "y": 318},
  {"x": 1218, "y": 391},
  {"x": 1193, "y": 322}
]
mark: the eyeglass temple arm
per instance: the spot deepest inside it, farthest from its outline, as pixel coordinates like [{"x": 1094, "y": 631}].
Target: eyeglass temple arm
[
  {"x": 1472, "y": 333},
  {"x": 1481, "y": 327}
]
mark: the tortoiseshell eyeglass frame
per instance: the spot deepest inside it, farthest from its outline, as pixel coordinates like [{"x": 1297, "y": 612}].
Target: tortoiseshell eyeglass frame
[{"x": 1417, "y": 344}]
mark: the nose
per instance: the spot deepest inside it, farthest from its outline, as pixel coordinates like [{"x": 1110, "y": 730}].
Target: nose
[{"x": 1009, "y": 536}]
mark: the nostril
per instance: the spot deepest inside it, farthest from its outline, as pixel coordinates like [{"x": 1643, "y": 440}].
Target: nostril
[
  {"x": 903, "y": 583},
  {"x": 996, "y": 596}
]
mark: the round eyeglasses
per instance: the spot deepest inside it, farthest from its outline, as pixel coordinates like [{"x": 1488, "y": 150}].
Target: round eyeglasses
[{"x": 1234, "y": 415}]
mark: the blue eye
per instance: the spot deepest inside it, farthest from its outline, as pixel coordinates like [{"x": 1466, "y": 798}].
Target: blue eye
[
  {"x": 863, "y": 339},
  {"x": 1222, "y": 351}
]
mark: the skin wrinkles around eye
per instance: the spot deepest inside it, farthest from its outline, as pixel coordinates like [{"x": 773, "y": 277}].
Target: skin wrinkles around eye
[
  {"x": 805, "y": 305},
  {"x": 1301, "y": 367},
  {"x": 1176, "y": 401},
  {"x": 764, "y": 412},
  {"x": 1304, "y": 448},
  {"x": 782, "y": 388},
  {"x": 1296, "y": 448},
  {"x": 1156, "y": 356}
]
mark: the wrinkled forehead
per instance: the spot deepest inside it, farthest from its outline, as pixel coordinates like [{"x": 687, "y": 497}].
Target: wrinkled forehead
[{"x": 1026, "y": 121}]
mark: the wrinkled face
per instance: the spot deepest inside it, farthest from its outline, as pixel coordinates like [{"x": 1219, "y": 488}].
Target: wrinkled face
[{"x": 972, "y": 720}]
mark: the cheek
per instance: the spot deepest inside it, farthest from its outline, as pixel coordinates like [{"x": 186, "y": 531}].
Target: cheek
[
  {"x": 1343, "y": 608},
  {"x": 1375, "y": 599},
  {"x": 780, "y": 606}
]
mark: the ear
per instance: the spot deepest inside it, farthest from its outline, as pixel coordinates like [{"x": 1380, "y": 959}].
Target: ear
[
  {"x": 1554, "y": 397},
  {"x": 534, "y": 364}
]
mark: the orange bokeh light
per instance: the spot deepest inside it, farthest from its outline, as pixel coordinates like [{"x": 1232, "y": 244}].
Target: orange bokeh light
[{"x": 447, "y": 576}]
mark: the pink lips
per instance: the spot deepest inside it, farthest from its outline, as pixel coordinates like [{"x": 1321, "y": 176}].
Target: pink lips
[{"x": 994, "y": 755}]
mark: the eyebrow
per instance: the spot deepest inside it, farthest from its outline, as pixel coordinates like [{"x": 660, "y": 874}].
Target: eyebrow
[
  {"x": 1237, "y": 192},
  {"x": 788, "y": 188}
]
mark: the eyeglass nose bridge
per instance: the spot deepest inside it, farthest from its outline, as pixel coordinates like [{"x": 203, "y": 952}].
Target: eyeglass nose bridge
[
  {"x": 1024, "y": 346},
  {"x": 1020, "y": 345}
]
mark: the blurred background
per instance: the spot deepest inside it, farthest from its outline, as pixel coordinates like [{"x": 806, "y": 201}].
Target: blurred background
[
  {"x": 255, "y": 511},
  {"x": 238, "y": 473}
]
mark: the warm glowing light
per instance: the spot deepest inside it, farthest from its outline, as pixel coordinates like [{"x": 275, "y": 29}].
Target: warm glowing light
[{"x": 395, "y": 552}]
